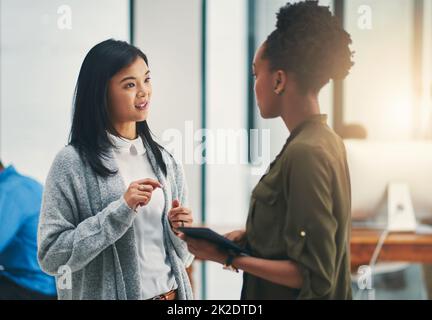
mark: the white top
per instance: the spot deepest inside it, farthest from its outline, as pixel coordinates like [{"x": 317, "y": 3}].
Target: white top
[{"x": 155, "y": 268}]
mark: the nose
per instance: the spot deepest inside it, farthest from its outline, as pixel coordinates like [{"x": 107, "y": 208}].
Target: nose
[
  {"x": 142, "y": 93},
  {"x": 143, "y": 90}
]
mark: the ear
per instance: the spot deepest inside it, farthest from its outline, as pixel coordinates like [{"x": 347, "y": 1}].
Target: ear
[{"x": 279, "y": 81}]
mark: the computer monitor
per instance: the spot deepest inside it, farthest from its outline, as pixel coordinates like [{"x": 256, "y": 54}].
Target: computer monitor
[{"x": 376, "y": 165}]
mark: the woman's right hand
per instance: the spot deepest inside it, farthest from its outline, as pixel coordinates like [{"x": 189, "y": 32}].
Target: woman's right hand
[
  {"x": 139, "y": 192},
  {"x": 237, "y": 236}
]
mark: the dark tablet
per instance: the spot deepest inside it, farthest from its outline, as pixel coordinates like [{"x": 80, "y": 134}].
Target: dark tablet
[{"x": 216, "y": 238}]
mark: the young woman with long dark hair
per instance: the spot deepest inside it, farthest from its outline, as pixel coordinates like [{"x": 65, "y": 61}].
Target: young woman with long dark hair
[{"x": 114, "y": 197}]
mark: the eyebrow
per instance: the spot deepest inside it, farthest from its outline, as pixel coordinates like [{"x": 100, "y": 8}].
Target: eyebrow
[{"x": 133, "y": 78}]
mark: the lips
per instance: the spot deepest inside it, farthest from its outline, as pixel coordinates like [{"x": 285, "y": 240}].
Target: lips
[{"x": 142, "y": 106}]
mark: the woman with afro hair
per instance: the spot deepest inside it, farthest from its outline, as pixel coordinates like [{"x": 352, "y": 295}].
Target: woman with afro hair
[{"x": 298, "y": 227}]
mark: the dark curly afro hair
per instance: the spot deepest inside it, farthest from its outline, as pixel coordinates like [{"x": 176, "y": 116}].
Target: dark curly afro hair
[{"x": 311, "y": 43}]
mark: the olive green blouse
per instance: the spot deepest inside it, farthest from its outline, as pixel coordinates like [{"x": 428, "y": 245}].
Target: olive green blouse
[{"x": 301, "y": 211}]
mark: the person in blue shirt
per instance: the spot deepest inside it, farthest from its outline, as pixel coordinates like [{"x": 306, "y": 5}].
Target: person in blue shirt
[{"x": 20, "y": 275}]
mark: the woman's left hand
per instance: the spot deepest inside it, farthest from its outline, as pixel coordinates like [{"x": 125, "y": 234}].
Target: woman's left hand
[
  {"x": 179, "y": 216},
  {"x": 205, "y": 250}
]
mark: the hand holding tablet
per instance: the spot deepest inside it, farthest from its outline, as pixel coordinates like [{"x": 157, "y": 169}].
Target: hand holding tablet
[{"x": 216, "y": 238}]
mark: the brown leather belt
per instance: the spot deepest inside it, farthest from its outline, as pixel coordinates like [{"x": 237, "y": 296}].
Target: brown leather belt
[{"x": 171, "y": 295}]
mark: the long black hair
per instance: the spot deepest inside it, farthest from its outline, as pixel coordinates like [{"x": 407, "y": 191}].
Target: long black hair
[{"x": 90, "y": 120}]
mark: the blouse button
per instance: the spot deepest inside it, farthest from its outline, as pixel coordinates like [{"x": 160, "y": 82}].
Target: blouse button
[{"x": 133, "y": 150}]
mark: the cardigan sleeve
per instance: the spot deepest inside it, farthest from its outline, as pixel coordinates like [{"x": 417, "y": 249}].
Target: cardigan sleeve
[
  {"x": 62, "y": 242},
  {"x": 182, "y": 191}
]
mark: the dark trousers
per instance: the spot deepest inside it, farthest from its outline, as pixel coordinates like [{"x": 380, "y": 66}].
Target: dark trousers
[{"x": 9, "y": 290}]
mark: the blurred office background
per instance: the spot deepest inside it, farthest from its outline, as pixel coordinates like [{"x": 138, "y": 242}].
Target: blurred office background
[{"x": 200, "y": 54}]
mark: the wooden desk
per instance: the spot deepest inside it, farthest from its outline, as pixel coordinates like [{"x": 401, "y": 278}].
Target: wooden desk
[{"x": 404, "y": 247}]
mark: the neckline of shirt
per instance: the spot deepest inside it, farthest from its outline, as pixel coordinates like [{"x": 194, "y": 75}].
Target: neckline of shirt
[{"x": 127, "y": 146}]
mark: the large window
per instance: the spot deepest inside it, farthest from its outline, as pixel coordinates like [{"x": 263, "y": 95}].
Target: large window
[{"x": 389, "y": 89}]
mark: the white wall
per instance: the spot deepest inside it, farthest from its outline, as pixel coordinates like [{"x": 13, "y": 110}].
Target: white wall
[
  {"x": 39, "y": 66},
  {"x": 227, "y": 182}
]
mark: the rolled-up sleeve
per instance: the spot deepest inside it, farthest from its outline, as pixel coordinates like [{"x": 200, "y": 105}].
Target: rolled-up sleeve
[{"x": 310, "y": 226}]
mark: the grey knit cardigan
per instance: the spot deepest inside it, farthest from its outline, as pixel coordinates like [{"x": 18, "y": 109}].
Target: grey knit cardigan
[{"x": 86, "y": 225}]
